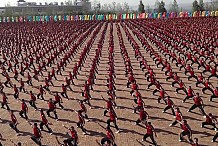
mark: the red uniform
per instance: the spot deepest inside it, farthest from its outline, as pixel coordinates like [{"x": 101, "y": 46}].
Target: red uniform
[
  {"x": 24, "y": 106},
  {"x": 44, "y": 120},
  {"x": 36, "y": 132},
  {"x": 178, "y": 116},
  {"x": 51, "y": 106},
  {"x": 197, "y": 100},
  {"x": 74, "y": 134},
  {"x": 13, "y": 119},
  {"x": 149, "y": 129}
]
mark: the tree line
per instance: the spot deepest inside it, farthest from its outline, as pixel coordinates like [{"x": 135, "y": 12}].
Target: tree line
[{"x": 174, "y": 7}]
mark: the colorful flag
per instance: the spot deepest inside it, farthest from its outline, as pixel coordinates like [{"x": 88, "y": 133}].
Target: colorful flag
[{"x": 216, "y": 13}]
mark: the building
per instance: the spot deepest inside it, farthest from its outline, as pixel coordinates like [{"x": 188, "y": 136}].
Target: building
[{"x": 32, "y": 8}]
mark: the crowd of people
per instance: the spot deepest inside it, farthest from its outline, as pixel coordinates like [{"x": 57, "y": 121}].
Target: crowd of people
[{"x": 33, "y": 54}]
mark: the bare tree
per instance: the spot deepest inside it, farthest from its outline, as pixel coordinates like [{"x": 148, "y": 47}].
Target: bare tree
[
  {"x": 118, "y": 7},
  {"x": 114, "y": 6},
  {"x": 126, "y": 7},
  {"x": 148, "y": 8}
]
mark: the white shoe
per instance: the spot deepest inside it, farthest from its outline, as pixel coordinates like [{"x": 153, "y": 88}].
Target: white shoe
[
  {"x": 117, "y": 131},
  {"x": 188, "y": 110},
  {"x": 51, "y": 133},
  {"x": 212, "y": 141},
  {"x": 87, "y": 120},
  {"x": 142, "y": 140},
  {"x": 163, "y": 111},
  {"x": 170, "y": 125},
  {"x": 216, "y": 129},
  {"x": 84, "y": 133}
]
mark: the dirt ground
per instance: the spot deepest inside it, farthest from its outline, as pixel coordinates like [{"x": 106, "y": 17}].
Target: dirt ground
[{"x": 166, "y": 136}]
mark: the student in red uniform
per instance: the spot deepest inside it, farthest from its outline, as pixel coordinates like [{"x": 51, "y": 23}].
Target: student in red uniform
[
  {"x": 58, "y": 100},
  {"x": 200, "y": 79},
  {"x": 4, "y": 101},
  {"x": 71, "y": 78},
  {"x": 75, "y": 71},
  {"x": 170, "y": 105},
  {"x": 210, "y": 120},
  {"x": 134, "y": 88},
  {"x": 44, "y": 122},
  {"x": 24, "y": 110},
  {"x": 13, "y": 124},
  {"x": 8, "y": 81},
  {"x": 198, "y": 102},
  {"x": 46, "y": 86},
  {"x": 9, "y": 67},
  {"x": 81, "y": 122},
  {"x": 84, "y": 110},
  {"x": 131, "y": 80},
  {"x": 207, "y": 86},
  {"x": 35, "y": 76},
  {"x": 50, "y": 78},
  {"x": 170, "y": 75},
  {"x": 37, "y": 135},
  {"x": 188, "y": 69},
  {"x": 192, "y": 75},
  {"x": 113, "y": 119},
  {"x": 52, "y": 108},
  {"x": 143, "y": 116},
  {"x": 41, "y": 93},
  {"x": 74, "y": 137},
  {"x": 186, "y": 130},
  {"x": 53, "y": 73},
  {"x": 190, "y": 94},
  {"x": 64, "y": 91},
  {"x": 87, "y": 98},
  {"x": 109, "y": 105},
  {"x": 29, "y": 79},
  {"x": 149, "y": 133},
  {"x": 213, "y": 73},
  {"x": 201, "y": 63},
  {"x": 140, "y": 103},
  {"x": 16, "y": 92},
  {"x": 162, "y": 96},
  {"x": 215, "y": 94},
  {"x": 207, "y": 69},
  {"x": 22, "y": 85},
  {"x": 16, "y": 74},
  {"x": 68, "y": 84},
  {"x": 178, "y": 118},
  {"x": 32, "y": 100}
]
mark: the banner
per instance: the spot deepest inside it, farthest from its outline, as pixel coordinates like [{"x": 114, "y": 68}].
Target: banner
[{"x": 119, "y": 16}]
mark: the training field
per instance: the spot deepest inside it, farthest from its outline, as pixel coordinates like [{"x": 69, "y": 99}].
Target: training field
[{"x": 45, "y": 37}]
